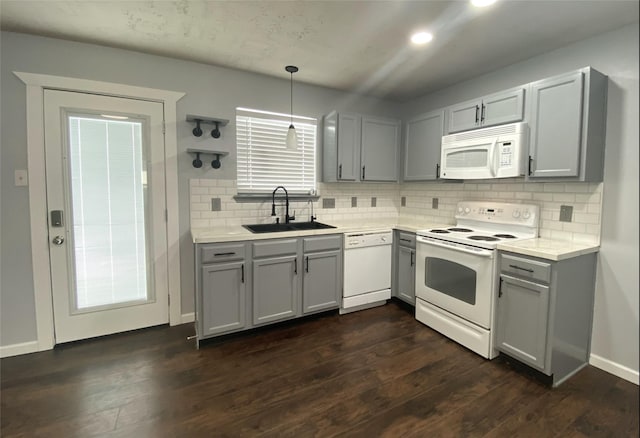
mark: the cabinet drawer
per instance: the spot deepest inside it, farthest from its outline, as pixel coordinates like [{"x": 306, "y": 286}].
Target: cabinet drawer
[
  {"x": 323, "y": 243},
  {"x": 222, "y": 253},
  {"x": 275, "y": 247},
  {"x": 525, "y": 268},
  {"x": 406, "y": 239}
]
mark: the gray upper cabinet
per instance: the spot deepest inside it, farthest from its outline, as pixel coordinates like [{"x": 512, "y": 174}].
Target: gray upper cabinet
[
  {"x": 568, "y": 123},
  {"x": 423, "y": 138},
  {"x": 357, "y": 148},
  {"x": 495, "y": 109},
  {"x": 379, "y": 150}
]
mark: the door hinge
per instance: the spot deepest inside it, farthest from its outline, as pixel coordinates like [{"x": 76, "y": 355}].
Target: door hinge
[
  {"x": 166, "y": 215},
  {"x": 164, "y": 127}
]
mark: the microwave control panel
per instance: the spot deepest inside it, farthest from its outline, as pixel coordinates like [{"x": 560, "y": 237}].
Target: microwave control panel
[{"x": 506, "y": 153}]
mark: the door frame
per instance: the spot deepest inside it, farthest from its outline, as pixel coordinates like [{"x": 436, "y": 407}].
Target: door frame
[{"x": 35, "y": 86}]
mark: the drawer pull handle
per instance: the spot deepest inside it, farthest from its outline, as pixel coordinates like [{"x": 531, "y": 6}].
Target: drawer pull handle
[
  {"x": 220, "y": 254},
  {"x": 405, "y": 240},
  {"x": 522, "y": 269}
]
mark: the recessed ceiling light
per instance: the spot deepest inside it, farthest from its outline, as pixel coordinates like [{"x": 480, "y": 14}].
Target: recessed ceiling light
[
  {"x": 421, "y": 38},
  {"x": 482, "y": 3}
]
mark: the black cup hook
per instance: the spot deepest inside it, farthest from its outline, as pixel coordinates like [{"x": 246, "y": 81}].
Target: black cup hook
[
  {"x": 216, "y": 132},
  {"x": 216, "y": 162},
  {"x": 197, "y": 131},
  {"x": 197, "y": 163}
]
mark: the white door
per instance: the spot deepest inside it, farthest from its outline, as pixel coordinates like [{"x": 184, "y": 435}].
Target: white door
[{"x": 106, "y": 203}]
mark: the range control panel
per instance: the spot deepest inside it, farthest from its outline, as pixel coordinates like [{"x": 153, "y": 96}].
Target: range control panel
[{"x": 499, "y": 212}]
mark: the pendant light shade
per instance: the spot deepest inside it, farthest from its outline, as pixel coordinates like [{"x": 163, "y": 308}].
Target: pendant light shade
[{"x": 292, "y": 136}]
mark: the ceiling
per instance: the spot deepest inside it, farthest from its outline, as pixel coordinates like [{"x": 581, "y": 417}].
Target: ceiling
[{"x": 359, "y": 46}]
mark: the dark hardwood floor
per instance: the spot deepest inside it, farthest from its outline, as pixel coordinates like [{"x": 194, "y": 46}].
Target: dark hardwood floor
[{"x": 372, "y": 373}]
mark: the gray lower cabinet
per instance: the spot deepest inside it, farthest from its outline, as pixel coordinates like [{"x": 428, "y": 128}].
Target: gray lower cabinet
[
  {"x": 322, "y": 276},
  {"x": 221, "y": 285},
  {"x": 275, "y": 280},
  {"x": 544, "y": 312},
  {"x": 241, "y": 285},
  {"x": 568, "y": 124},
  {"x": 404, "y": 284}
]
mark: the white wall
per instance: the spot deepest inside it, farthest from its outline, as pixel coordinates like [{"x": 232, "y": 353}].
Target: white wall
[
  {"x": 615, "y": 341},
  {"x": 210, "y": 91}
]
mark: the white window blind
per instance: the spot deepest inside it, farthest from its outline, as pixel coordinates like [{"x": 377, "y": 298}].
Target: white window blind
[{"x": 264, "y": 162}]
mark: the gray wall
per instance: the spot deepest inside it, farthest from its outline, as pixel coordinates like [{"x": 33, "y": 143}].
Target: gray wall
[
  {"x": 615, "y": 325},
  {"x": 210, "y": 91},
  {"x": 217, "y": 91}
]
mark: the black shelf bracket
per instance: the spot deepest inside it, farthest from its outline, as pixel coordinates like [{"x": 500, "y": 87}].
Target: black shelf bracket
[
  {"x": 197, "y": 162},
  {"x": 199, "y": 120}
]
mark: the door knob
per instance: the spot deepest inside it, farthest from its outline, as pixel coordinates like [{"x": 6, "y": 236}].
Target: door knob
[{"x": 58, "y": 240}]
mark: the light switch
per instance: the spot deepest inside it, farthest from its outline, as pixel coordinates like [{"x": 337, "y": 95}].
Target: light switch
[{"x": 20, "y": 178}]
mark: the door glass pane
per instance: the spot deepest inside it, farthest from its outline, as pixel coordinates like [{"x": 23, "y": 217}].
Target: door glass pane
[
  {"x": 107, "y": 177},
  {"x": 452, "y": 279}
]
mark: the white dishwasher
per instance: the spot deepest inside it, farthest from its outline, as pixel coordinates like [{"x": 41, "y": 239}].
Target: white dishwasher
[{"x": 367, "y": 270}]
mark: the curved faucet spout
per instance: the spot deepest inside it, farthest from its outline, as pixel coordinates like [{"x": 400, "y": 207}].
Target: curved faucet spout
[{"x": 287, "y": 218}]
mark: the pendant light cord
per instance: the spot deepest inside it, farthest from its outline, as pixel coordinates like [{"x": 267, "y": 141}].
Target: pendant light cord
[{"x": 291, "y": 95}]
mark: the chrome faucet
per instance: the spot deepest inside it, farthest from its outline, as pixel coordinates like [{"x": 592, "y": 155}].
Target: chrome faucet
[{"x": 287, "y": 218}]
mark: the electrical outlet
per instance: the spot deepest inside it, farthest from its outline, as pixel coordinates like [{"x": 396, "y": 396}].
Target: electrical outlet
[
  {"x": 20, "y": 178},
  {"x": 328, "y": 202},
  {"x": 434, "y": 203},
  {"x": 403, "y": 201},
  {"x": 216, "y": 204},
  {"x": 566, "y": 213},
  {"x": 374, "y": 201},
  {"x": 354, "y": 201}
]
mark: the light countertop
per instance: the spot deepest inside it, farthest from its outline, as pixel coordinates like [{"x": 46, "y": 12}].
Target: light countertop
[
  {"x": 549, "y": 249},
  {"x": 236, "y": 233},
  {"x": 543, "y": 248}
]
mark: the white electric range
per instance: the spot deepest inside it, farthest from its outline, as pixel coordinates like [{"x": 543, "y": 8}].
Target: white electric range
[{"x": 457, "y": 270}]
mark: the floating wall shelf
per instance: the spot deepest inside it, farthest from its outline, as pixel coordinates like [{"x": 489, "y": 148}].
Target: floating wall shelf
[
  {"x": 197, "y": 162},
  {"x": 199, "y": 120}
]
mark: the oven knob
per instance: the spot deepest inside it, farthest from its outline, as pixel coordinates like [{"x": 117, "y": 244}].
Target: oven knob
[
  {"x": 526, "y": 214},
  {"x": 460, "y": 210},
  {"x": 467, "y": 210},
  {"x": 516, "y": 214}
]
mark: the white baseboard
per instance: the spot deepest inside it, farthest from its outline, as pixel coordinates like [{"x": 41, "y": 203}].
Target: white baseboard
[
  {"x": 614, "y": 368},
  {"x": 17, "y": 349},
  {"x": 188, "y": 317}
]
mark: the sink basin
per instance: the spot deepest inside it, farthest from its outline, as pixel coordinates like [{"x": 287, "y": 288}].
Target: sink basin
[{"x": 292, "y": 226}]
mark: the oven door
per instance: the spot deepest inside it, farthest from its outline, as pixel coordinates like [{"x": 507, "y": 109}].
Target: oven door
[{"x": 457, "y": 278}]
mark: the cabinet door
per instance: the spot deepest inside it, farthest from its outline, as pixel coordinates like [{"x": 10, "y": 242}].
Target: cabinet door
[
  {"x": 504, "y": 107},
  {"x": 464, "y": 116},
  {"x": 379, "y": 151},
  {"x": 322, "y": 285},
  {"x": 275, "y": 290},
  {"x": 523, "y": 309},
  {"x": 223, "y": 298},
  {"x": 556, "y": 126},
  {"x": 422, "y": 147},
  {"x": 348, "y": 147},
  {"x": 406, "y": 274}
]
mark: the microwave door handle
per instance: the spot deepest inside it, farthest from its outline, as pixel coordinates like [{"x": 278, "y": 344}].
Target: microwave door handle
[{"x": 493, "y": 167}]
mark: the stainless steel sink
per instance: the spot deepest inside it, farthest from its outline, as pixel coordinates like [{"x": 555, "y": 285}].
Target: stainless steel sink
[{"x": 291, "y": 226}]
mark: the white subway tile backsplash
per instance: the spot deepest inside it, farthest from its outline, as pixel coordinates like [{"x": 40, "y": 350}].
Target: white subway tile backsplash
[{"x": 586, "y": 200}]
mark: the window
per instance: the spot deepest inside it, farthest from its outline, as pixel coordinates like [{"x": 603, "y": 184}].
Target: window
[{"x": 264, "y": 162}]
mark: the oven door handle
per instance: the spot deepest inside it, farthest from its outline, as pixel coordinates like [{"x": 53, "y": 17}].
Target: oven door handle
[{"x": 456, "y": 247}]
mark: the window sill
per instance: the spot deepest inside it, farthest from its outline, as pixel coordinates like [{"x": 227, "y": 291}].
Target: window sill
[{"x": 261, "y": 197}]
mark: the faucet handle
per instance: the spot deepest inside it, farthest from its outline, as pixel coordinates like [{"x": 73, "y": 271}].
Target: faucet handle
[{"x": 293, "y": 216}]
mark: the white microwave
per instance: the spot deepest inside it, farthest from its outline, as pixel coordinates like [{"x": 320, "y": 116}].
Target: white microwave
[{"x": 497, "y": 152}]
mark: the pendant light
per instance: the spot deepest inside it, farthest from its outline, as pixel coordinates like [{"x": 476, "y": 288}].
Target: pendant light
[{"x": 292, "y": 136}]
